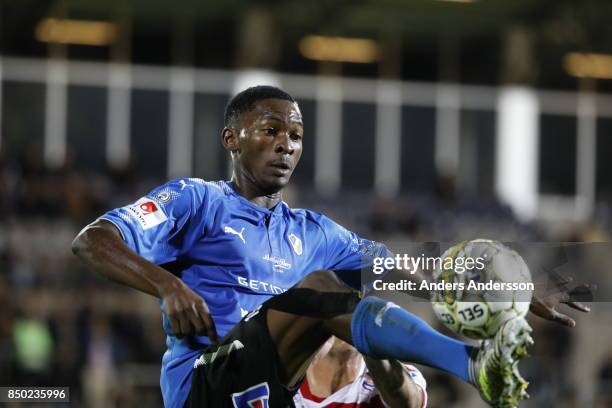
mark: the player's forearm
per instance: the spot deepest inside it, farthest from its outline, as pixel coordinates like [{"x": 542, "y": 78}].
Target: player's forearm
[
  {"x": 394, "y": 385},
  {"x": 102, "y": 249}
]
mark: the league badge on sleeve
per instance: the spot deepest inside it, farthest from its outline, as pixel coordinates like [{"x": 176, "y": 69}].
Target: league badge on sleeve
[{"x": 147, "y": 212}]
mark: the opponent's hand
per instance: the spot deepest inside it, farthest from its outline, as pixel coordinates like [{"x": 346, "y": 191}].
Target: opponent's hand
[
  {"x": 545, "y": 306},
  {"x": 395, "y": 385},
  {"x": 187, "y": 312}
]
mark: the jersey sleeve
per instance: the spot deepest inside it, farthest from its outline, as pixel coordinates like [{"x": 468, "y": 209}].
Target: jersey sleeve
[
  {"x": 348, "y": 254},
  {"x": 165, "y": 223}
]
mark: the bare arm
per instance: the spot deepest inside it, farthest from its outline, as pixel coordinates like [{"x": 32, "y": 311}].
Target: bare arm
[
  {"x": 101, "y": 248},
  {"x": 395, "y": 386}
]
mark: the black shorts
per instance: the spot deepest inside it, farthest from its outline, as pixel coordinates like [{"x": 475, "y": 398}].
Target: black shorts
[{"x": 242, "y": 371}]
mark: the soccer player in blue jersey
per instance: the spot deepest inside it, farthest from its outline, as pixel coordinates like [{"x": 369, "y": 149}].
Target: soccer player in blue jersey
[{"x": 214, "y": 251}]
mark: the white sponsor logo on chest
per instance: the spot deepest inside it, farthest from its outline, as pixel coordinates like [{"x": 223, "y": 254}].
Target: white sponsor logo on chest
[
  {"x": 259, "y": 285},
  {"x": 279, "y": 264}
]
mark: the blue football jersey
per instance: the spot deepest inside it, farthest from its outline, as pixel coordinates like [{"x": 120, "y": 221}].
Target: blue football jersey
[{"x": 233, "y": 253}]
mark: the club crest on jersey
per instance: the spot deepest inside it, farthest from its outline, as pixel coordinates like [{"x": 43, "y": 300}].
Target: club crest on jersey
[
  {"x": 296, "y": 243},
  {"x": 256, "y": 396},
  {"x": 146, "y": 212}
]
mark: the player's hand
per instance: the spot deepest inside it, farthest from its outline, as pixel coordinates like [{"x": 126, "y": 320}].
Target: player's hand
[
  {"x": 545, "y": 305},
  {"x": 187, "y": 312}
]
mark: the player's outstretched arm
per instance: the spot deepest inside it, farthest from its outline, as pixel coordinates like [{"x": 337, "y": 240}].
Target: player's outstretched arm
[
  {"x": 101, "y": 248},
  {"x": 395, "y": 385}
]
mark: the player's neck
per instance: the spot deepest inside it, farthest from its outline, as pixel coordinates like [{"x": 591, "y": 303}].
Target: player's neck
[
  {"x": 330, "y": 373},
  {"x": 254, "y": 194}
]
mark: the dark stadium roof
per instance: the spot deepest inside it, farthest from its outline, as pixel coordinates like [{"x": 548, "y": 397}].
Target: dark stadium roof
[{"x": 435, "y": 40}]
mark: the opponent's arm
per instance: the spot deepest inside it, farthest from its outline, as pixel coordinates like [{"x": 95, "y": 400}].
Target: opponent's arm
[
  {"x": 101, "y": 247},
  {"x": 396, "y": 387},
  {"x": 546, "y": 305}
]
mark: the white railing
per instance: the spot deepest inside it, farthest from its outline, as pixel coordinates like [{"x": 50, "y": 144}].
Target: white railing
[{"x": 329, "y": 93}]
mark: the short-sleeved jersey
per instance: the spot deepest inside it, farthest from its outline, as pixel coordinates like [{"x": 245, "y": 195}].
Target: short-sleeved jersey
[
  {"x": 233, "y": 253},
  {"x": 361, "y": 393}
]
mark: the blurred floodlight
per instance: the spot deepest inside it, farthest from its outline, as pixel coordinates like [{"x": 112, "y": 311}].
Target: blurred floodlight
[
  {"x": 81, "y": 32},
  {"x": 583, "y": 65},
  {"x": 339, "y": 49},
  {"x": 253, "y": 77}
]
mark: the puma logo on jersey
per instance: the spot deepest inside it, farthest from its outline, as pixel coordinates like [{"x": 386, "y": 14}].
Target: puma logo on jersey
[
  {"x": 184, "y": 184},
  {"x": 230, "y": 230}
]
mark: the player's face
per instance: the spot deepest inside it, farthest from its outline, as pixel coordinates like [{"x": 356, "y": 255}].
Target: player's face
[{"x": 270, "y": 143}]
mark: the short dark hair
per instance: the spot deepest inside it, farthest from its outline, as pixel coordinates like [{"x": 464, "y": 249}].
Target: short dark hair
[{"x": 245, "y": 100}]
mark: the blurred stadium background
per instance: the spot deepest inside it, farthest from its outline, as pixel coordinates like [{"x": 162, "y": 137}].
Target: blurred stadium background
[{"x": 425, "y": 120}]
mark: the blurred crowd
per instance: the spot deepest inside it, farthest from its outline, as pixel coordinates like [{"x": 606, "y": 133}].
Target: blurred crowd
[{"x": 61, "y": 325}]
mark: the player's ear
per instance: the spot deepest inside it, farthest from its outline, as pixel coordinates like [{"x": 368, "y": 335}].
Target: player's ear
[{"x": 229, "y": 138}]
